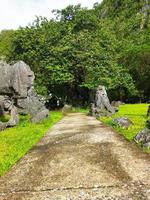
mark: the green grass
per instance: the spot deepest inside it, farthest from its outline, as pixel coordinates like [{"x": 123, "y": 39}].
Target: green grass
[
  {"x": 15, "y": 142},
  {"x": 81, "y": 110},
  {"x": 136, "y": 113}
]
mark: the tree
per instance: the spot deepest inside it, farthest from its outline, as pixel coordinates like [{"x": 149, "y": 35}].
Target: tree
[{"x": 82, "y": 48}]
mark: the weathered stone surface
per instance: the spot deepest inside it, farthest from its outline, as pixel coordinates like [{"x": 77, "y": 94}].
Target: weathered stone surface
[
  {"x": 33, "y": 106},
  {"x": 2, "y": 126},
  {"x": 40, "y": 116},
  {"x": 67, "y": 109},
  {"x": 1, "y": 106},
  {"x": 101, "y": 106},
  {"x": 7, "y": 105},
  {"x": 17, "y": 79},
  {"x": 14, "y": 120},
  {"x": 144, "y": 137},
  {"x": 16, "y": 85},
  {"x": 123, "y": 122},
  {"x": 116, "y": 103}
]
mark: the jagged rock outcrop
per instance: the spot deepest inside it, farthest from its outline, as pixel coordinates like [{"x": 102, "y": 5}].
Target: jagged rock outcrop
[
  {"x": 16, "y": 86},
  {"x": 101, "y": 106},
  {"x": 123, "y": 122},
  {"x": 143, "y": 137},
  {"x": 33, "y": 106}
]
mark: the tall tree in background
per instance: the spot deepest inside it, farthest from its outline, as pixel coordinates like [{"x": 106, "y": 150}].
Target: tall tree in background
[{"x": 80, "y": 49}]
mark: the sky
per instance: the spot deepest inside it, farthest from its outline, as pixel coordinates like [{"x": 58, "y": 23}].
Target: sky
[{"x": 15, "y": 13}]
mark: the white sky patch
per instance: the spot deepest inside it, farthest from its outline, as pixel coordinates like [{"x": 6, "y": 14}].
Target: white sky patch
[{"x": 15, "y": 13}]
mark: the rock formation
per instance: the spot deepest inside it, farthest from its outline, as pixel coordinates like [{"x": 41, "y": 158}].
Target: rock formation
[
  {"x": 67, "y": 108},
  {"x": 123, "y": 122},
  {"x": 101, "y": 106},
  {"x": 16, "y": 86},
  {"x": 143, "y": 137},
  {"x": 33, "y": 106},
  {"x": 116, "y": 104}
]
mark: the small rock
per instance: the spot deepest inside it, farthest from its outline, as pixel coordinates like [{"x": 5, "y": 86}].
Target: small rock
[
  {"x": 147, "y": 145},
  {"x": 123, "y": 122},
  {"x": 2, "y": 126},
  {"x": 144, "y": 137},
  {"x": 116, "y": 103},
  {"x": 67, "y": 108}
]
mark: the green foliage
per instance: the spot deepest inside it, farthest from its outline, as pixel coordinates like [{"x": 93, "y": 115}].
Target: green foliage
[
  {"x": 16, "y": 142},
  {"x": 59, "y": 74},
  {"x": 83, "y": 48},
  {"x": 6, "y": 40},
  {"x": 81, "y": 110},
  {"x": 136, "y": 113},
  {"x": 4, "y": 118}
]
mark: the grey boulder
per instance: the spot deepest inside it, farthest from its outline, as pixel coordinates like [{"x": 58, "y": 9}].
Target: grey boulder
[
  {"x": 33, "y": 106},
  {"x": 101, "y": 105},
  {"x": 123, "y": 122},
  {"x": 67, "y": 108},
  {"x": 143, "y": 137},
  {"x": 17, "y": 94},
  {"x": 2, "y": 126}
]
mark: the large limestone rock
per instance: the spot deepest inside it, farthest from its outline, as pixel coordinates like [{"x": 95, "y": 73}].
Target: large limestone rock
[
  {"x": 15, "y": 80},
  {"x": 143, "y": 137},
  {"x": 33, "y": 106},
  {"x": 16, "y": 85},
  {"x": 123, "y": 122},
  {"x": 101, "y": 106},
  {"x": 67, "y": 108}
]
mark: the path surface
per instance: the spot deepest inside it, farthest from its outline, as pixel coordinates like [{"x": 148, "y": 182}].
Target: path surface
[{"x": 80, "y": 159}]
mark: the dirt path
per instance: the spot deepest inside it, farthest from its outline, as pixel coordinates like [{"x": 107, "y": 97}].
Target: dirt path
[{"x": 80, "y": 159}]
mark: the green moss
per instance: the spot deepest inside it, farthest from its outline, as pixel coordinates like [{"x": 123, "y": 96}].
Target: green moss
[
  {"x": 16, "y": 142},
  {"x": 136, "y": 113},
  {"x": 5, "y": 118}
]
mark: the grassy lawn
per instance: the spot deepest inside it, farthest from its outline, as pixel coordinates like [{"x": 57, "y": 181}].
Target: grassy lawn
[
  {"x": 81, "y": 110},
  {"x": 136, "y": 113},
  {"x": 15, "y": 142}
]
